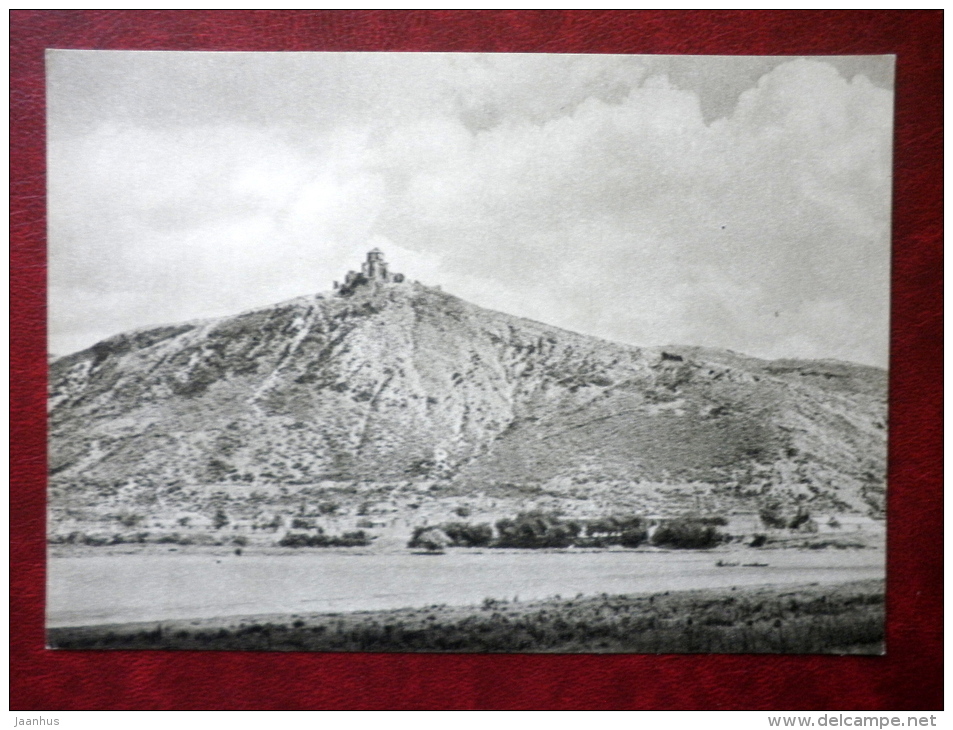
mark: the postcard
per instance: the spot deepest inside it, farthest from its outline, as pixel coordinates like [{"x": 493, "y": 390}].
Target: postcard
[{"x": 440, "y": 352}]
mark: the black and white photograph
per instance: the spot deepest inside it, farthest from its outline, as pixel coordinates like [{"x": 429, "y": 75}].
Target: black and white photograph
[{"x": 452, "y": 352}]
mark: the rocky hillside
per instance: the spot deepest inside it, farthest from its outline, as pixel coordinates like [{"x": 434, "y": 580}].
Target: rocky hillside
[{"x": 399, "y": 386}]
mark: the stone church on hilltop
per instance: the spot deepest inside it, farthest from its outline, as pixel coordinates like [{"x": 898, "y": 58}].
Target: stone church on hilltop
[{"x": 373, "y": 270}]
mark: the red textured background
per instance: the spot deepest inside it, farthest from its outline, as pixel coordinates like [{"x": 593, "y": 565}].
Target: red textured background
[{"x": 909, "y": 677}]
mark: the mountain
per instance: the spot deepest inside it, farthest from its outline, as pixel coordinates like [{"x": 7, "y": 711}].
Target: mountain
[{"x": 390, "y": 391}]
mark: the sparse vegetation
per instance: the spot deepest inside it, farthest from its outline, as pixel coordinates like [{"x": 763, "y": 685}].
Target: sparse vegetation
[
  {"x": 127, "y": 519},
  {"x": 776, "y": 516},
  {"x": 220, "y": 519},
  {"x": 358, "y": 538},
  {"x": 536, "y": 529},
  {"x": 627, "y": 531},
  {"x": 687, "y": 533}
]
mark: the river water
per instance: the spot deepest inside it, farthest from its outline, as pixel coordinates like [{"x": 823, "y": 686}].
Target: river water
[{"x": 91, "y": 590}]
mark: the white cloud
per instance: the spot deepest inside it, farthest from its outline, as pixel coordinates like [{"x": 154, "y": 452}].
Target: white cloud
[{"x": 589, "y": 192}]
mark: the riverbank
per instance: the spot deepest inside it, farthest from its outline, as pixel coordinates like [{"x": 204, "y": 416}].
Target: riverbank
[
  {"x": 847, "y": 618},
  {"x": 776, "y": 540}
]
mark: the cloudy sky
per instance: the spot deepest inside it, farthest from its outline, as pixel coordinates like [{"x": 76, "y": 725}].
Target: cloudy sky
[{"x": 728, "y": 202}]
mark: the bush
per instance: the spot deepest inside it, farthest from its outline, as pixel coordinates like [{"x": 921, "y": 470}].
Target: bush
[
  {"x": 175, "y": 539},
  {"x": 429, "y": 538},
  {"x": 633, "y": 537},
  {"x": 273, "y": 524},
  {"x": 300, "y": 523},
  {"x": 463, "y": 534},
  {"x": 801, "y": 518},
  {"x": 807, "y": 525},
  {"x": 328, "y": 508},
  {"x": 359, "y": 538},
  {"x": 130, "y": 520},
  {"x": 452, "y": 534},
  {"x": 536, "y": 530},
  {"x": 298, "y": 540},
  {"x": 220, "y": 519},
  {"x": 717, "y": 520},
  {"x": 774, "y": 515},
  {"x": 687, "y": 533},
  {"x": 628, "y": 531}
]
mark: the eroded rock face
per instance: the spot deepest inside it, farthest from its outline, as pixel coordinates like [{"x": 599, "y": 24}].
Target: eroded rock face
[{"x": 403, "y": 382}]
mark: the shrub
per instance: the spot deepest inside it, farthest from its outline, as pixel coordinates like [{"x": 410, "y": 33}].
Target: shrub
[
  {"x": 300, "y": 523},
  {"x": 175, "y": 539},
  {"x": 297, "y": 540},
  {"x": 807, "y": 525},
  {"x": 429, "y": 538},
  {"x": 687, "y": 533},
  {"x": 633, "y": 537},
  {"x": 273, "y": 524},
  {"x": 130, "y": 520},
  {"x": 453, "y": 534},
  {"x": 802, "y": 517},
  {"x": 628, "y": 531},
  {"x": 220, "y": 519},
  {"x": 536, "y": 530},
  {"x": 358, "y": 538},
  {"x": 717, "y": 520},
  {"x": 774, "y": 515},
  {"x": 463, "y": 534},
  {"x": 463, "y": 511},
  {"x": 328, "y": 508}
]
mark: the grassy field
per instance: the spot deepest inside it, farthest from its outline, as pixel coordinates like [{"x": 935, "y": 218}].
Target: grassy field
[{"x": 841, "y": 619}]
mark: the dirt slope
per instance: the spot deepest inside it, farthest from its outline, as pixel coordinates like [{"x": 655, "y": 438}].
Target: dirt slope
[{"x": 404, "y": 383}]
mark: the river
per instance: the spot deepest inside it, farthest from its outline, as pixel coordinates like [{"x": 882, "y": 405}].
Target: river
[{"x": 91, "y": 590}]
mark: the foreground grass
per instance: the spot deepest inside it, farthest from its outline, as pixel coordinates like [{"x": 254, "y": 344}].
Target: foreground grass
[{"x": 847, "y": 618}]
